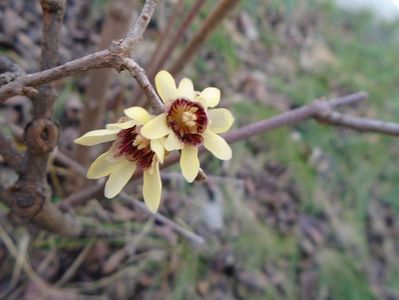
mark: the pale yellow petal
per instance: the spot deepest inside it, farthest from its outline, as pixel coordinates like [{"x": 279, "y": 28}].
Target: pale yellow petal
[
  {"x": 152, "y": 188},
  {"x": 186, "y": 89},
  {"x": 157, "y": 146},
  {"x": 138, "y": 114},
  {"x": 156, "y": 128},
  {"x": 221, "y": 120},
  {"x": 97, "y": 137},
  {"x": 211, "y": 95},
  {"x": 166, "y": 86},
  {"x": 122, "y": 125},
  {"x": 217, "y": 145},
  {"x": 172, "y": 142},
  {"x": 120, "y": 175},
  {"x": 189, "y": 162},
  {"x": 100, "y": 167}
]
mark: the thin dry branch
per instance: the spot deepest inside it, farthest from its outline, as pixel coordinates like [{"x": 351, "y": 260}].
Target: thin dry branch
[
  {"x": 139, "y": 74},
  {"x": 160, "y": 218},
  {"x": 109, "y": 58},
  {"x": 360, "y": 124},
  {"x": 292, "y": 117},
  {"x": 136, "y": 32}
]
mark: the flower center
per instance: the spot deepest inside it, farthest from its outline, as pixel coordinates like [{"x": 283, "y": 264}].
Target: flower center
[
  {"x": 188, "y": 120},
  {"x": 135, "y": 147}
]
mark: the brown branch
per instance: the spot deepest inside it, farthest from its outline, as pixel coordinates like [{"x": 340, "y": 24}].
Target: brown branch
[
  {"x": 110, "y": 58},
  {"x": 100, "y": 59},
  {"x": 83, "y": 196},
  {"x": 209, "y": 25},
  {"x": 360, "y": 124},
  {"x": 164, "y": 220},
  {"x": 136, "y": 32},
  {"x": 292, "y": 117}
]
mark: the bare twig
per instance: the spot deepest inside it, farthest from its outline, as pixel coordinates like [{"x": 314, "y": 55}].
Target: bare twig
[
  {"x": 110, "y": 58},
  {"x": 83, "y": 196},
  {"x": 292, "y": 117},
  {"x": 138, "y": 73},
  {"x": 12, "y": 248},
  {"x": 359, "y": 124},
  {"x": 75, "y": 265},
  {"x": 135, "y": 33},
  {"x": 160, "y": 218},
  {"x": 115, "y": 260},
  {"x": 209, "y": 25},
  {"x": 100, "y": 59}
]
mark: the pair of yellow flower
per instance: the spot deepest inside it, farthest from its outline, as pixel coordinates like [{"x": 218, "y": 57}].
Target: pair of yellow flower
[{"x": 141, "y": 140}]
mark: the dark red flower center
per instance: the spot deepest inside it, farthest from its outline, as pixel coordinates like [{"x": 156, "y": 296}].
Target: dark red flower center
[
  {"x": 135, "y": 147},
  {"x": 188, "y": 120}
]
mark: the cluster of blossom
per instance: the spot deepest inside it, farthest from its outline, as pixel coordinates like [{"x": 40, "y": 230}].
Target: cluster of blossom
[{"x": 142, "y": 141}]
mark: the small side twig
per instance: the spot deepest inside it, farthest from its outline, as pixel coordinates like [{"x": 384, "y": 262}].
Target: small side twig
[
  {"x": 136, "y": 32},
  {"x": 109, "y": 58},
  {"x": 160, "y": 218},
  {"x": 292, "y": 117},
  {"x": 75, "y": 265},
  {"x": 139, "y": 74},
  {"x": 360, "y": 124}
]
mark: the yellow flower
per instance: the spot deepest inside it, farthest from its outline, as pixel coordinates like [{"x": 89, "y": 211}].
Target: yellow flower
[
  {"x": 130, "y": 150},
  {"x": 187, "y": 123}
]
